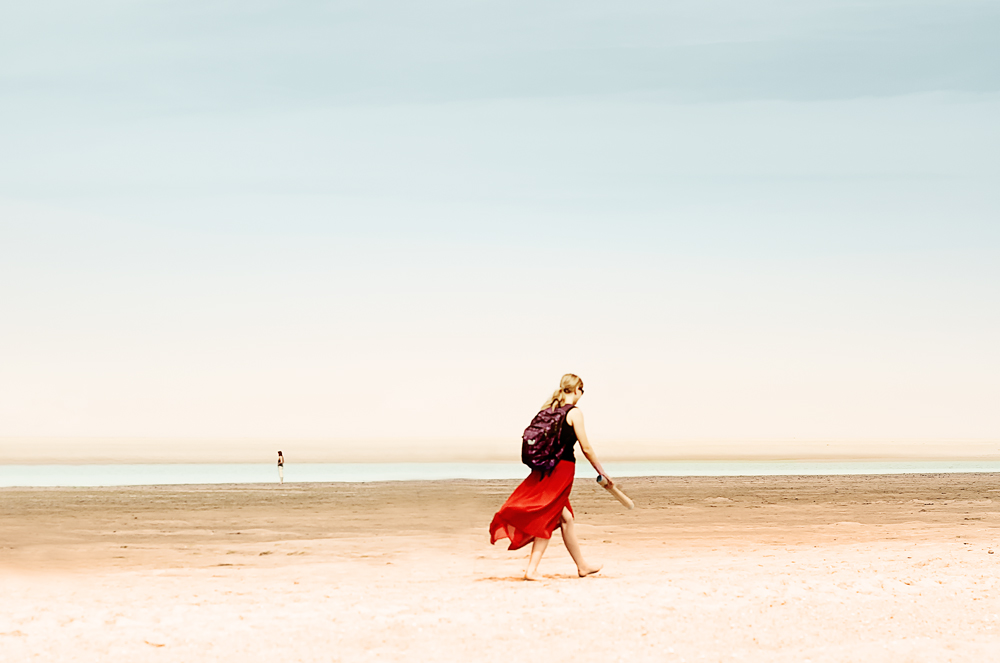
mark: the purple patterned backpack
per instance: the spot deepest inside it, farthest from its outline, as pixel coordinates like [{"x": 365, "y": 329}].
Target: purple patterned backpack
[{"x": 541, "y": 444}]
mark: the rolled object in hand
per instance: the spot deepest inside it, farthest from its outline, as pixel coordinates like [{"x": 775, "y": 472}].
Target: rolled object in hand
[{"x": 619, "y": 495}]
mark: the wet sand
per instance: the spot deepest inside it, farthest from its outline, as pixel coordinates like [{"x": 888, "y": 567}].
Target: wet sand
[{"x": 886, "y": 568}]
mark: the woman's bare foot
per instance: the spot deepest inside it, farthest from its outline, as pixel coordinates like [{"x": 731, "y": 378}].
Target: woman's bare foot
[
  {"x": 532, "y": 576},
  {"x": 589, "y": 570}
]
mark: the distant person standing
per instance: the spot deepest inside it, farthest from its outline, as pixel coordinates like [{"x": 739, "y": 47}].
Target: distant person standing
[{"x": 281, "y": 468}]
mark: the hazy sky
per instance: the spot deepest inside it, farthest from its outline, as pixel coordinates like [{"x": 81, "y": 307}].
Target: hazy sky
[{"x": 735, "y": 220}]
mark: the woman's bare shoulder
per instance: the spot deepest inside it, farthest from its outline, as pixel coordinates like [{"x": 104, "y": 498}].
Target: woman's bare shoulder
[{"x": 575, "y": 416}]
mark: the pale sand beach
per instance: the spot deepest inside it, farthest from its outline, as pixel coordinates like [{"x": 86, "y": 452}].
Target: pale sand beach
[{"x": 861, "y": 568}]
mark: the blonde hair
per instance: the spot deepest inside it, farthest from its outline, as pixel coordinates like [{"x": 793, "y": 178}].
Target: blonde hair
[{"x": 567, "y": 385}]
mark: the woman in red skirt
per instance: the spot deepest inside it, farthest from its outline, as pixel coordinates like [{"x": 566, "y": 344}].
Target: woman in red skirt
[{"x": 541, "y": 503}]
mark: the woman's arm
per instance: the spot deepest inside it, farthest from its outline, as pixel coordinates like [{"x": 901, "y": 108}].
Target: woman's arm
[{"x": 575, "y": 419}]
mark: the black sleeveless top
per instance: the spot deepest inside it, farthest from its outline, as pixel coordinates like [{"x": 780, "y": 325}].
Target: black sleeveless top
[{"x": 568, "y": 438}]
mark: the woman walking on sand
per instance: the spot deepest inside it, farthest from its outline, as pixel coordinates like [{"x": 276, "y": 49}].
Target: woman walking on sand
[
  {"x": 541, "y": 503},
  {"x": 281, "y": 468}
]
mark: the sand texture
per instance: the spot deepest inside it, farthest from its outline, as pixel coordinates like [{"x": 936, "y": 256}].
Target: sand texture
[{"x": 889, "y": 568}]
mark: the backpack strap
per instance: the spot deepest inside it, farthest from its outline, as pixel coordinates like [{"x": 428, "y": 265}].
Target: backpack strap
[{"x": 562, "y": 420}]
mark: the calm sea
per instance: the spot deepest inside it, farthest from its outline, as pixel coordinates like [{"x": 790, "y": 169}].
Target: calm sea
[{"x": 241, "y": 473}]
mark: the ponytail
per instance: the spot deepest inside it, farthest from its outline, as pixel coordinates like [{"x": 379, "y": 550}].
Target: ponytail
[
  {"x": 567, "y": 385},
  {"x": 555, "y": 400}
]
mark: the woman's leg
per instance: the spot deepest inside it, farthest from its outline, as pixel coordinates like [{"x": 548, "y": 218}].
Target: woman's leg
[
  {"x": 573, "y": 545},
  {"x": 538, "y": 547}
]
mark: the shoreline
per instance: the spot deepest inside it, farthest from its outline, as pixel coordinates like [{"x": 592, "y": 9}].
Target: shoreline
[
  {"x": 118, "y": 460},
  {"x": 250, "y": 474}
]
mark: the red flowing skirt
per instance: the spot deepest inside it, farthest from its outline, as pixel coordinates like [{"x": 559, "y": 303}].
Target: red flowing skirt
[{"x": 533, "y": 509}]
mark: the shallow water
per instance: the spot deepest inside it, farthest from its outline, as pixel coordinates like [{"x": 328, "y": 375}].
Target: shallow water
[{"x": 217, "y": 473}]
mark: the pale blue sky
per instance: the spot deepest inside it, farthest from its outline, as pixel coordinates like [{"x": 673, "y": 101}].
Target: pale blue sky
[{"x": 736, "y": 220}]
